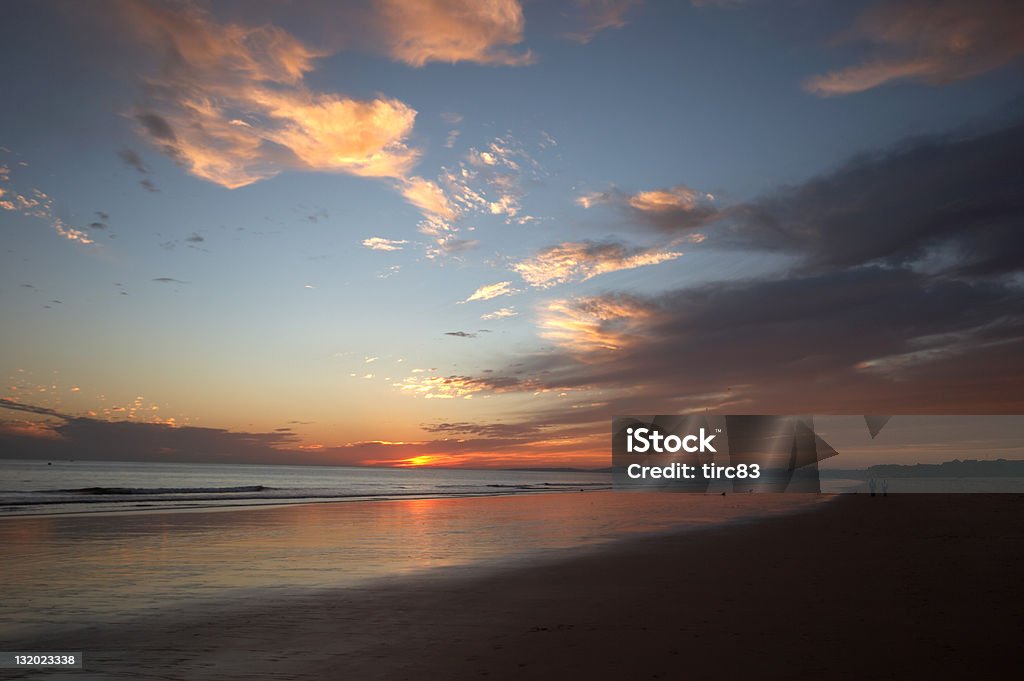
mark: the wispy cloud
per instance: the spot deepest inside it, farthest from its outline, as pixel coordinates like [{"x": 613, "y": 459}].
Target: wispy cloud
[
  {"x": 132, "y": 159},
  {"x": 441, "y": 387},
  {"x": 601, "y": 15},
  {"x": 428, "y": 197},
  {"x": 376, "y": 243},
  {"x": 502, "y": 288},
  {"x": 502, "y": 313},
  {"x": 36, "y": 203},
  {"x": 582, "y": 261},
  {"x": 594, "y": 325},
  {"x": 489, "y": 180},
  {"x": 927, "y": 41}
]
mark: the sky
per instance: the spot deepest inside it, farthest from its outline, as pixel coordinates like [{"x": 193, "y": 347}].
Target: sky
[{"x": 470, "y": 232}]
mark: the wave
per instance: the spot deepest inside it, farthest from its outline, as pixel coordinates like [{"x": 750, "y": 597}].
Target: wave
[{"x": 157, "y": 490}]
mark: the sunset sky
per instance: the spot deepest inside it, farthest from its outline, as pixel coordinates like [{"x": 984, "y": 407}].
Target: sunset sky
[{"x": 468, "y": 232}]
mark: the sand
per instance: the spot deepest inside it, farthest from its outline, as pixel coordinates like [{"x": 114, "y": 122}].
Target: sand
[{"x": 912, "y": 586}]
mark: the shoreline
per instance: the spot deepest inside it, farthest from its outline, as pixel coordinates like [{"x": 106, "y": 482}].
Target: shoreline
[
  {"x": 285, "y": 503},
  {"x": 859, "y": 587}
]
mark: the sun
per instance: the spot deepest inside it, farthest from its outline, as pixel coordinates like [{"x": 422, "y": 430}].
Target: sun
[{"x": 422, "y": 460}]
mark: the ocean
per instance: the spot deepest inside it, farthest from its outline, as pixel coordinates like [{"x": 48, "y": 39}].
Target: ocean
[
  {"x": 89, "y": 543},
  {"x": 38, "y": 487}
]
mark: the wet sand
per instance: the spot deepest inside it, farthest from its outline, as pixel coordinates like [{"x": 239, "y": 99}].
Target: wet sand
[{"x": 903, "y": 586}]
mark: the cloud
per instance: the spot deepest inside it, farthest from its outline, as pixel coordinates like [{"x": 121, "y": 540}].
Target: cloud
[
  {"x": 489, "y": 430},
  {"x": 441, "y": 387},
  {"x": 65, "y": 436},
  {"x": 582, "y": 261},
  {"x": 790, "y": 345},
  {"x": 944, "y": 204},
  {"x": 502, "y": 313},
  {"x": 38, "y": 204},
  {"x": 927, "y": 41},
  {"x": 229, "y": 103},
  {"x": 665, "y": 200},
  {"x": 591, "y": 325},
  {"x": 460, "y": 334},
  {"x": 428, "y": 197},
  {"x": 450, "y": 31},
  {"x": 54, "y": 435},
  {"x": 376, "y": 243},
  {"x": 489, "y": 180},
  {"x": 601, "y": 15},
  {"x": 906, "y": 297},
  {"x": 677, "y": 208},
  {"x": 502, "y": 288},
  {"x": 133, "y": 161},
  {"x": 169, "y": 280},
  {"x": 452, "y": 246},
  {"x": 195, "y": 238},
  {"x": 591, "y": 199}
]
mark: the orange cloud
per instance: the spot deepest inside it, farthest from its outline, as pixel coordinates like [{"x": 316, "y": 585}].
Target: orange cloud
[
  {"x": 677, "y": 208},
  {"x": 483, "y": 31},
  {"x": 933, "y": 42},
  {"x": 428, "y": 197},
  {"x": 229, "y": 104},
  {"x": 582, "y": 261},
  {"x": 441, "y": 387},
  {"x": 590, "y": 326},
  {"x": 665, "y": 200}
]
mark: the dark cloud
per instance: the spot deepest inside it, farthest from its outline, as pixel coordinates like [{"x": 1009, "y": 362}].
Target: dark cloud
[
  {"x": 910, "y": 297},
  {"x": 932, "y": 41},
  {"x": 486, "y": 430},
  {"x": 103, "y": 217},
  {"x": 460, "y": 334},
  {"x": 951, "y": 203},
  {"x": 64, "y": 436},
  {"x": 133, "y": 161},
  {"x": 195, "y": 238},
  {"x": 318, "y": 215},
  {"x": 169, "y": 280},
  {"x": 79, "y": 437},
  {"x": 157, "y": 126},
  {"x": 849, "y": 341}
]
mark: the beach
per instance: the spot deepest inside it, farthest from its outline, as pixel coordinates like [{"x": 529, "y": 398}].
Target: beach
[{"x": 858, "y": 587}]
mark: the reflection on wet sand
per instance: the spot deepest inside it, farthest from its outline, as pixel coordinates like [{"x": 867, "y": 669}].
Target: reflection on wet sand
[{"x": 73, "y": 570}]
